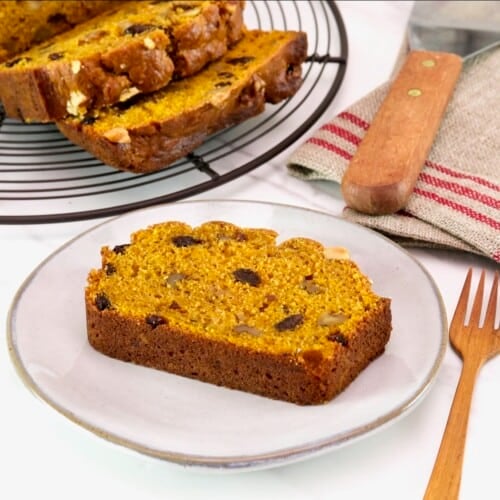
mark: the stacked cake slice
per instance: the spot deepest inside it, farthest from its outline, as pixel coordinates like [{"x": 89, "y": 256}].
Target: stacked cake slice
[{"x": 145, "y": 83}]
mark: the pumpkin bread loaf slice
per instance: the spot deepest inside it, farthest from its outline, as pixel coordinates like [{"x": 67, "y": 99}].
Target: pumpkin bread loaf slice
[
  {"x": 27, "y": 23},
  {"x": 228, "y": 305},
  {"x": 135, "y": 48},
  {"x": 150, "y": 132}
]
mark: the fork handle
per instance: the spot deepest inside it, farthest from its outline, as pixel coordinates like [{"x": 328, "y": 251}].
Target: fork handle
[{"x": 444, "y": 483}]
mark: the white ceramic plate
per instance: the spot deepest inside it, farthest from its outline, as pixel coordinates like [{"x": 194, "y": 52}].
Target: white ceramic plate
[{"x": 196, "y": 424}]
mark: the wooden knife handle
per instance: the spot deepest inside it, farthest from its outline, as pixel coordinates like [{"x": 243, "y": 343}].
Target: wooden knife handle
[{"x": 385, "y": 168}]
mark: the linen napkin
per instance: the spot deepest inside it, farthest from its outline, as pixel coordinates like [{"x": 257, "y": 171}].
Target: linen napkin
[{"x": 456, "y": 201}]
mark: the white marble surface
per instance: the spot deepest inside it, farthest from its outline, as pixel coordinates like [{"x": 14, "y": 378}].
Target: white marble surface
[{"x": 43, "y": 455}]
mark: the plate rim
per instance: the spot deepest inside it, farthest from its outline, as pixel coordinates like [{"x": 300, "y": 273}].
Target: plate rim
[{"x": 232, "y": 462}]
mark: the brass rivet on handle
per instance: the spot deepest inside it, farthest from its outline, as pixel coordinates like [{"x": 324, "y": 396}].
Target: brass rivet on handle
[
  {"x": 414, "y": 92},
  {"x": 428, "y": 63}
]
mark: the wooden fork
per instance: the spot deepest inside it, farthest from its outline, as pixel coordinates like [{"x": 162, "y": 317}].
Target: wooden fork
[{"x": 475, "y": 345}]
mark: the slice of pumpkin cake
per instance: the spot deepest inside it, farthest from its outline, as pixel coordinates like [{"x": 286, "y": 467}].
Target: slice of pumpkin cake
[
  {"x": 150, "y": 132},
  {"x": 223, "y": 304}
]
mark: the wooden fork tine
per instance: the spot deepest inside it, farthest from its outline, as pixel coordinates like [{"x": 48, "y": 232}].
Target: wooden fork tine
[
  {"x": 461, "y": 308},
  {"x": 489, "y": 320},
  {"x": 475, "y": 315}
]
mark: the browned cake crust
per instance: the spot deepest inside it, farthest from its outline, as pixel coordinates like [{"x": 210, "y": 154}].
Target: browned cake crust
[
  {"x": 228, "y": 305},
  {"x": 314, "y": 381},
  {"x": 158, "y": 129},
  {"x": 136, "y": 48}
]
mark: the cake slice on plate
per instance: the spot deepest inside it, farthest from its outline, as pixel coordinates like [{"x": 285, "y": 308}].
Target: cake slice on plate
[{"x": 228, "y": 305}]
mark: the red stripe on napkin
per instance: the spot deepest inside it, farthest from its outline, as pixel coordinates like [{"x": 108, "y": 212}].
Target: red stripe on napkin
[
  {"x": 462, "y": 175},
  {"x": 342, "y": 133},
  {"x": 459, "y": 208},
  {"x": 459, "y": 189},
  {"x": 355, "y": 120},
  {"x": 330, "y": 147}
]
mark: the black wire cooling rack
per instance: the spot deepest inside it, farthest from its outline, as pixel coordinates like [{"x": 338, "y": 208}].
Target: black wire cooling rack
[{"x": 45, "y": 178}]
